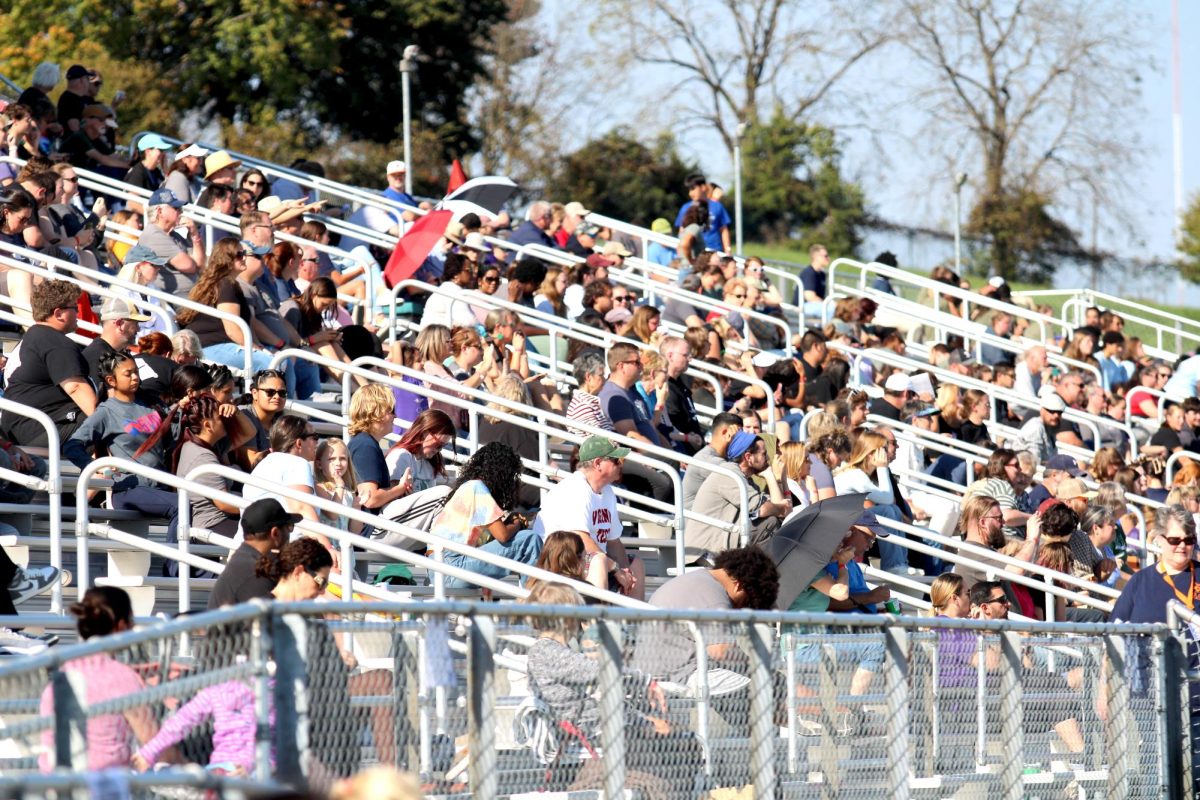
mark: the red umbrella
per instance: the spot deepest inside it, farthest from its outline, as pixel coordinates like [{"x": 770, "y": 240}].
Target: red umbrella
[
  {"x": 457, "y": 177},
  {"x": 415, "y": 245}
]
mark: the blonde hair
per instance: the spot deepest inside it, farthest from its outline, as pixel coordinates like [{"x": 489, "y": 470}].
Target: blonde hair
[
  {"x": 370, "y": 404},
  {"x": 324, "y": 478},
  {"x": 1111, "y": 495},
  {"x": 509, "y": 386},
  {"x": 795, "y": 456},
  {"x": 1182, "y": 495},
  {"x": 378, "y": 783},
  {"x": 867, "y": 443},
  {"x": 433, "y": 343},
  {"x": 973, "y": 509},
  {"x": 551, "y": 593},
  {"x": 945, "y": 588},
  {"x": 821, "y": 423}
]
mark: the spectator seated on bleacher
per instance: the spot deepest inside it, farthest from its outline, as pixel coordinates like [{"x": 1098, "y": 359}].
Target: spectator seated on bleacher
[
  {"x": 443, "y": 309},
  {"x": 17, "y": 211},
  {"x": 142, "y": 266},
  {"x": 87, "y": 147},
  {"x": 533, "y": 229},
  {"x": 719, "y": 497},
  {"x": 584, "y": 504},
  {"x": 119, "y": 321},
  {"x": 185, "y": 257},
  {"x": 630, "y": 417},
  {"x": 1037, "y": 434},
  {"x": 185, "y": 176},
  {"x": 146, "y": 173},
  {"x": 206, "y": 429},
  {"x": 266, "y": 528},
  {"x": 372, "y": 409},
  {"x": 47, "y": 371}
]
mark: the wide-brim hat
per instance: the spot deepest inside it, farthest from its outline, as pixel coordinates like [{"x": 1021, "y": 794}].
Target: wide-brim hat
[{"x": 218, "y": 161}]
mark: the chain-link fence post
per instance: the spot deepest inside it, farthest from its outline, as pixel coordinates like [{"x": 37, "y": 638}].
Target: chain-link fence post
[
  {"x": 612, "y": 706},
  {"x": 289, "y": 635},
  {"x": 763, "y": 731},
  {"x": 260, "y": 649},
  {"x": 895, "y": 684},
  {"x": 405, "y": 684},
  {"x": 1012, "y": 723},
  {"x": 1119, "y": 732},
  {"x": 70, "y": 721},
  {"x": 481, "y": 705},
  {"x": 1172, "y": 671}
]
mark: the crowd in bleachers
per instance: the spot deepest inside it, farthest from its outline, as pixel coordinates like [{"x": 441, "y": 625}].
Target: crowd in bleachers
[{"x": 796, "y": 421}]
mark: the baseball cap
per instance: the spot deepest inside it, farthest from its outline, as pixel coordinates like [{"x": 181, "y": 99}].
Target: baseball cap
[
  {"x": 741, "y": 442},
  {"x": 996, "y": 281},
  {"x": 115, "y": 308},
  {"x": 869, "y": 520},
  {"x": 253, "y": 249},
  {"x": 96, "y": 110},
  {"x": 897, "y": 382},
  {"x": 165, "y": 197},
  {"x": 76, "y": 71},
  {"x": 475, "y": 241},
  {"x": 1052, "y": 402},
  {"x": 661, "y": 225},
  {"x": 595, "y": 447},
  {"x": 1065, "y": 464},
  {"x": 587, "y": 229},
  {"x": 152, "y": 141},
  {"x": 577, "y": 209},
  {"x": 140, "y": 252},
  {"x": 597, "y": 260},
  {"x": 396, "y": 166},
  {"x": 262, "y": 515},
  {"x": 1072, "y": 488},
  {"x": 763, "y": 359},
  {"x": 192, "y": 150},
  {"x": 616, "y": 249}
]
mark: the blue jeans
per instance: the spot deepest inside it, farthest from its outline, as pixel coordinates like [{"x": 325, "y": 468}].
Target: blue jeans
[
  {"x": 302, "y": 378},
  {"x": 891, "y": 555},
  {"x": 793, "y": 419},
  {"x": 233, "y": 355},
  {"x": 525, "y": 546},
  {"x": 815, "y": 310}
]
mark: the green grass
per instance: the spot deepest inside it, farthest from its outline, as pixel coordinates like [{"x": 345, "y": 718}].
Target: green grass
[{"x": 784, "y": 253}]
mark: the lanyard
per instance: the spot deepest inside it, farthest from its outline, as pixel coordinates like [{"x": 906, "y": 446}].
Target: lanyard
[{"x": 1188, "y": 599}]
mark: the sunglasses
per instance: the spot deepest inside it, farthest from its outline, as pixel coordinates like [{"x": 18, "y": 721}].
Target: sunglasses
[
  {"x": 489, "y": 280},
  {"x": 310, "y": 260},
  {"x": 273, "y": 393},
  {"x": 319, "y": 580},
  {"x": 1004, "y": 601},
  {"x": 622, "y": 299},
  {"x": 311, "y": 436},
  {"x": 1175, "y": 541}
]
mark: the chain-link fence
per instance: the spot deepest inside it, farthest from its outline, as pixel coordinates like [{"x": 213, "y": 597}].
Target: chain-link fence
[{"x": 495, "y": 700}]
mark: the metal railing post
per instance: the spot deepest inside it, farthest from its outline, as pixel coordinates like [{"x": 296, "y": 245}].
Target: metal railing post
[
  {"x": 1012, "y": 719},
  {"x": 70, "y": 721},
  {"x": 612, "y": 707},
  {"x": 763, "y": 731},
  {"x": 260, "y": 649},
  {"x": 899, "y": 747},
  {"x": 289, "y": 635},
  {"x": 1120, "y": 736},
  {"x": 481, "y": 706}
]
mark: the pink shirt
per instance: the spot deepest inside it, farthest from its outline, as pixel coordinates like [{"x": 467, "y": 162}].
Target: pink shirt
[{"x": 108, "y": 735}]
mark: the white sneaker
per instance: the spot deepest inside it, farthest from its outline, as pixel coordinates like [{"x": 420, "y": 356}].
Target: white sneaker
[
  {"x": 32, "y": 581},
  {"x": 18, "y": 644}
]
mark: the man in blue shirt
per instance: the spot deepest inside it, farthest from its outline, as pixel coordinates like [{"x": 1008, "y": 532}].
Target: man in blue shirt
[
  {"x": 990, "y": 354},
  {"x": 533, "y": 229},
  {"x": 862, "y": 598},
  {"x": 631, "y": 417},
  {"x": 716, "y": 235},
  {"x": 815, "y": 281},
  {"x": 396, "y": 171},
  {"x": 1112, "y": 367}
]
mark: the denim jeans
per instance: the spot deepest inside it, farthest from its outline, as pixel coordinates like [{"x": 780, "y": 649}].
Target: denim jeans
[
  {"x": 525, "y": 546},
  {"x": 891, "y": 555},
  {"x": 302, "y": 378},
  {"x": 233, "y": 355}
]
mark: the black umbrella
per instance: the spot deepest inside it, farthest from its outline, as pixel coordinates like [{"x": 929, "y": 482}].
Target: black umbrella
[
  {"x": 804, "y": 545},
  {"x": 490, "y": 192}
]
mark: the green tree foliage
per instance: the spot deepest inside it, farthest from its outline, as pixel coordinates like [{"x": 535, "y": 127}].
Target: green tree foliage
[
  {"x": 1189, "y": 241},
  {"x": 793, "y": 187},
  {"x": 619, "y": 176},
  {"x": 1023, "y": 240},
  {"x": 322, "y": 68}
]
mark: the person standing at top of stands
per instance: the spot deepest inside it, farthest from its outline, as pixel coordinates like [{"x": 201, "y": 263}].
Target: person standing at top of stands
[
  {"x": 73, "y": 99},
  {"x": 185, "y": 257},
  {"x": 1029, "y": 371},
  {"x": 45, "y": 77},
  {"x": 896, "y": 391},
  {"x": 396, "y": 171},
  {"x": 86, "y": 147},
  {"x": 1111, "y": 360},
  {"x": 813, "y": 280},
  {"x": 533, "y": 229},
  {"x": 47, "y": 370},
  {"x": 266, "y": 528},
  {"x": 584, "y": 504},
  {"x": 147, "y": 172},
  {"x": 716, "y": 233},
  {"x": 681, "y": 411},
  {"x": 724, "y": 427}
]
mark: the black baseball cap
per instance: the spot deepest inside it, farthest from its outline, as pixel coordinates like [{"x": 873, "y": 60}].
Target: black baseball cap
[{"x": 262, "y": 515}]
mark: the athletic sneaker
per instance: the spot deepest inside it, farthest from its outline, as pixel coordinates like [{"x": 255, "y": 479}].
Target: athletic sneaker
[
  {"x": 32, "y": 581},
  {"x": 17, "y": 644}
]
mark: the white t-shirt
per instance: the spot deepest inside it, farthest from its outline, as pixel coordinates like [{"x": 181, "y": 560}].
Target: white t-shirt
[
  {"x": 572, "y": 506},
  {"x": 282, "y": 468},
  {"x": 443, "y": 310},
  {"x": 573, "y": 300}
]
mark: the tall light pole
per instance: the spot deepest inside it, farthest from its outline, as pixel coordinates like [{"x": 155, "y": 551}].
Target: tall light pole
[
  {"x": 737, "y": 184},
  {"x": 959, "y": 180},
  {"x": 407, "y": 66}
]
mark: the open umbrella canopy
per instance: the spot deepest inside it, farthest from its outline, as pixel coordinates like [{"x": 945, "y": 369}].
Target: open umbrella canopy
[
  {"x": 415, "y": 246},
  {"x": 489, "y": 191},
  {"x": 807, "y": 542}
]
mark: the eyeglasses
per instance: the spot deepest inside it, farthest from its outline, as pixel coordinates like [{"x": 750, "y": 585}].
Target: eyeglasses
[
  {"x": 1175, "y": 541},
  {"x": 263, "y": 225},
  {"x": 319, "y": 580},
  {"x": 312, "y": 436},
  {"x": 1004, "y": 601},
  {"x": 625, "y": 298},
  {"x": 272, "y": 393},
  {"x": 310, "y": 260},
  {"x": 992, "y": 516},
  {"x": 489, "y": 280},
  {"x": 72, "y": 179},
  {"x": 637, "y": 361}
]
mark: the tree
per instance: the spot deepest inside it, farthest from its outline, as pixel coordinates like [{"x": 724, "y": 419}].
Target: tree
[
  {"x": 1033, "y": 91},
  {"x": 1020, "y": 230},
  {"x": 620, "y": 177},
  {"x": 793, "y": 183},
  {"x": 1189, "y": 242},
  {"x": 728, "y": 55}
]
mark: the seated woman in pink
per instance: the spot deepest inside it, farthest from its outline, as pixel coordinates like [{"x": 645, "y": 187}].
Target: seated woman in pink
[{"x": 104, "y": 610}]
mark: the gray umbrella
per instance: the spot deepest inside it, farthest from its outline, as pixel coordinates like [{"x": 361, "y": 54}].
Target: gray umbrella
[{"x": 804, "y": 545}]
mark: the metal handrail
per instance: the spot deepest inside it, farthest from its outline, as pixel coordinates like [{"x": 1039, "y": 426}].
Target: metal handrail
[{"x": 52, "y": 485}]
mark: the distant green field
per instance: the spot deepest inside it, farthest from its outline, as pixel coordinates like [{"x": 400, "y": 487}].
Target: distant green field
[{"x": 782, "y": 253}]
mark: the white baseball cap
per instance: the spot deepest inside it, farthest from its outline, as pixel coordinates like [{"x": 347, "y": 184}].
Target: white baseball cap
[
  {"x": 396, "y": 166},
  {"x": 764, "y": 360},
  {"x": 192, "y": 150},
  {"x": 897, "y": 382}
]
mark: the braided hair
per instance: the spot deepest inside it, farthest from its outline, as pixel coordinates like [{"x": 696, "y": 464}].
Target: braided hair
[{"x": 191, "y": 423}]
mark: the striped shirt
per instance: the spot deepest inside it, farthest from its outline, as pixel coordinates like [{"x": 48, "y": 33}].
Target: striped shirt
[
  {"x": 231, "y": 707},
  {"x": 586, "y": 409}
]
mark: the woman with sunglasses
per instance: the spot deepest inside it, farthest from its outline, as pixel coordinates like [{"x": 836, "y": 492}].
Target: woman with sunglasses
[
  {"x": 256, "y": 183},
  {"x": 1146, "y": 595},
  {"x": 17, "y": 212}
]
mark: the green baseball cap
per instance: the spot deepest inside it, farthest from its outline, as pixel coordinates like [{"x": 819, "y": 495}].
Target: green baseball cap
[{"x": 595, "y": 447}]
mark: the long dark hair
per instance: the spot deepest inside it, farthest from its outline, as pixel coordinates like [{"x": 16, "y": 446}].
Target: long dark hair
[
  {"x": 499, "y": 467},
  {"x": 429, "y": 421},
  {"x": 191, "y": 422},
  {"x": 311, "y": 320},
  {"x": 101, "y": 610},
  {"x": 303, "y": 552},
  {"x": 223, "y": 265}
]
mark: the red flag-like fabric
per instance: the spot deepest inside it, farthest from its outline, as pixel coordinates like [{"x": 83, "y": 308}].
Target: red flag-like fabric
[
  {"x": 457, "y": 177},
  {"x": 415, "y": 245}
]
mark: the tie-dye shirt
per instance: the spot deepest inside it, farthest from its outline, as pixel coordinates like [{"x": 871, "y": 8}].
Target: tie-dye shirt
[
  {"x": 468, "y": 513},
  {"x": 118, "y": 429}
]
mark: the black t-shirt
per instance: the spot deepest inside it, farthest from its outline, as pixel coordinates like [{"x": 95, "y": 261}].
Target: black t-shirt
[
  {"x": 212, "y": 330},
  {"x": 149, "y": 179},
  {"x": 70, "y": 106},
  {"x": 573, "y": 246},
  {"x": 682, "y": 411},
  {"x": 46, "y": 358},
  {"x": 971, "y": 433},
  {"x": 92, "y": 355},
  {"x": 1165, "y": 437},
  {"x": 238, "y": 583},
  {"x": 32, "y": 96},
  {"x": 883, "y": 408},
  {"x": 77, "y": 145},
  {"x": 156, "y": 373}
]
